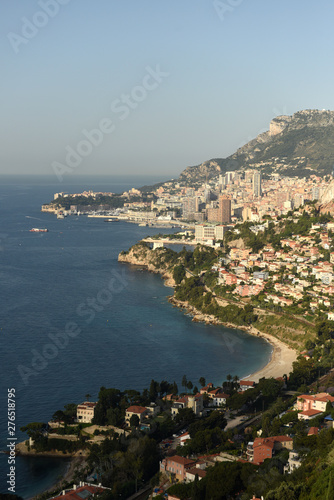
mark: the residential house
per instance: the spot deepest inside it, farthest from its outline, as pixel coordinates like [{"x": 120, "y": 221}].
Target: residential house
[
  {"x": 264, "y": 448},
  {"x": 140, "y": 411},
  {"x": 80, "y": 491},
  {"x": 314, "y": 401},
  {"x": 207, "y": 388},
  {"x": 85, "y": 412},
  {"x": 293, "y": 463},
  {"x": 193, "y": 472},
  {"x": 246, "y": 384},
  {"x": 176, "y": 466},
  {"x": 183, "y": 438},
  {"x": 195, "y": 402},
  {"x": 218, "y": 397}
]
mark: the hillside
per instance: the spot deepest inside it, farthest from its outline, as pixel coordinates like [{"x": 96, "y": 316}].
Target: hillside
[{"x": 301, "y": 145}]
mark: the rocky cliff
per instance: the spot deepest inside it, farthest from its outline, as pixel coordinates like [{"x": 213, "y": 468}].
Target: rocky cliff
[
  {"x": 142, "y": 255},
  {"x": 300, "y": 145}
]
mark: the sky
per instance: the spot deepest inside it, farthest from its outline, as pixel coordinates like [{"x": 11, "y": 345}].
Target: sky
[{"x": 147, "y": 87}]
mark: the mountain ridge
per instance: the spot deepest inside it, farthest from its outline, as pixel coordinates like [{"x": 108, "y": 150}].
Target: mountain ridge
[{"x": 301, "y": 144}]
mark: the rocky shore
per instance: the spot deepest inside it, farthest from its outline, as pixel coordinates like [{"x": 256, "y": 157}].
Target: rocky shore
[{"x": 143, "y": 257}]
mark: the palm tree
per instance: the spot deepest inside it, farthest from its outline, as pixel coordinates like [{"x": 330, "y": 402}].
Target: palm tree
[
  {"x": 88, "y": 396},
  {"x": 236, "y": 384}
]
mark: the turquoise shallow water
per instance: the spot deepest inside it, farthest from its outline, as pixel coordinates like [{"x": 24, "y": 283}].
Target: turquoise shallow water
[{"x": 56, "y": 282}]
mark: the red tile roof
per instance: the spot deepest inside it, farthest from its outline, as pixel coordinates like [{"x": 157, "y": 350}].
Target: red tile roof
[
  {"x": 196, "y": 470},
  {"x": 311, "y": 413},
  {"x": 136, "y": 409},
  {"x": 180, "y": 460},
  {"x": 321, "y": 396},
  {"x": 80, "y": 493}
]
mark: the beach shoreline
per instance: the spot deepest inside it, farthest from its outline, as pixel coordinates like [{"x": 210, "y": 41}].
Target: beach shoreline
[
  {"x": 282, "y": 356},
  {"x": 281, "y": 360},
  {"x": 68, "y": 477}
]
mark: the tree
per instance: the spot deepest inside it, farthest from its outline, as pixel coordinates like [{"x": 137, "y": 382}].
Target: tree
[
  {"x": 154, "y": 390},
  {"x": 108, "y": 398},
  {"x": 184, "y": 381},
  {"x": 87, "y": 397},
  {"x": 236, "y": 384},
  {"x": 286, "y": 491},
  {"x": 179, "y": 274},
  {"x": 185, "y": 416},
  {"x": 189, "y": 385},
  {"x": 34, "y": 429},
  {"x": 195, "y": 489},
  {"x": 58, "y": 416},
  {"x": 70, "y": 412},
  {"x": 134, "y": 420},
  {"x": 330, "y": 490},
  {"x": 165, "y": 387},
  {"x": 202, "y": 381},
  {"x": 115, "y": 417}
]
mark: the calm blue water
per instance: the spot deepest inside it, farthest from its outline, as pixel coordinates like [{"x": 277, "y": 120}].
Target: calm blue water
[{"x": 125, "y": 331}]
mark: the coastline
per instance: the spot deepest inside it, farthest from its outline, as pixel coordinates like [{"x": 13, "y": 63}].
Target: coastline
[
  {"x": 68, "y": 477},
  {"x": 282, "y": 356},
  {"x": 75, "y": 460},
  {"x": 281, "y": 360}
]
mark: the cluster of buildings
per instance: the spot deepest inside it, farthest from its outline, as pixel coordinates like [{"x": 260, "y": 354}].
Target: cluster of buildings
[
  {"x": 240, "y": 195},
  {"x": 297, "y": 271},
  {"x": 216, "y": 397},
  {"x": 245, "y": 194},
  {"x": 184, "y": 469}
]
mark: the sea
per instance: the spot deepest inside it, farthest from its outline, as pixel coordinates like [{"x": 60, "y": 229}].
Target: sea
[{"x": 73, "y": 319}]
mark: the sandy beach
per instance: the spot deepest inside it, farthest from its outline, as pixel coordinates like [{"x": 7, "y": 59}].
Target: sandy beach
[{"x": 281, "y": 359}]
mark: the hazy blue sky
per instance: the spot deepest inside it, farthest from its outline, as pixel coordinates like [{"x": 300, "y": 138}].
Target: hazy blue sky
[{"x": 232, "y": 66}]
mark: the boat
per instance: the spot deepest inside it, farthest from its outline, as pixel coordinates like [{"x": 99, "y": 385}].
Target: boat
[
  {"x": 37, "y": 230},
  {"x": 111, "y": 220}
]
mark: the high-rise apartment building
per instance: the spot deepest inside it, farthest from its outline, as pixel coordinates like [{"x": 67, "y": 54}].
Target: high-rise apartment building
[
  {"x": 257, "y": 178},
  {"x": 222, "y": 214},
  {"x": 224, "y": 209}
]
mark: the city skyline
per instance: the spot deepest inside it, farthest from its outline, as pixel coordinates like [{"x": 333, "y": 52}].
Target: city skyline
[{"x": 153, "y": 88}]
